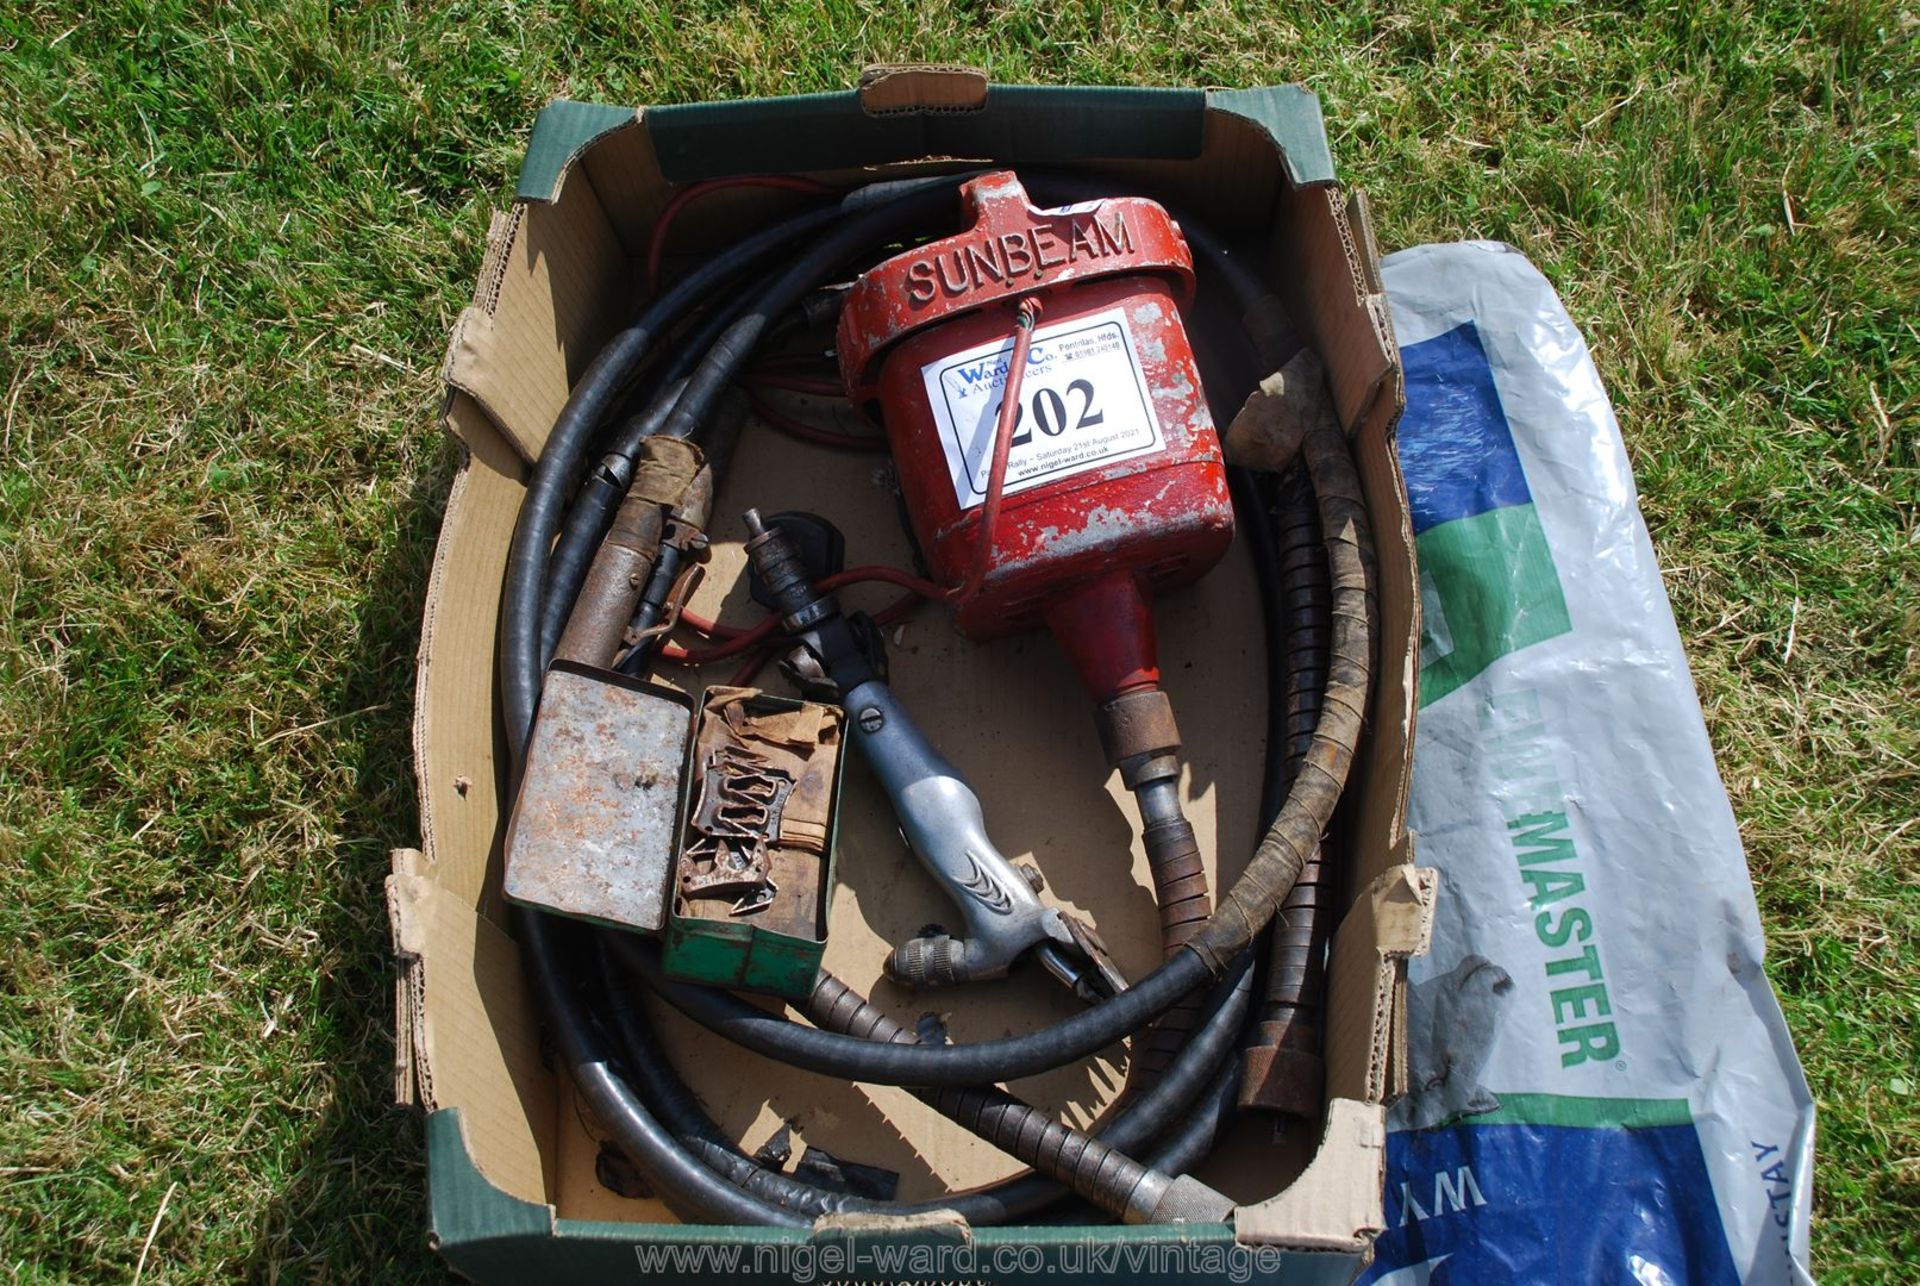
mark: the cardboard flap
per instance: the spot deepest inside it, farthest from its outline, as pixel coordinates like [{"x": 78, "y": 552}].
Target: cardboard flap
[
  {"x": 891, "y": 89},
  {"x": 473, "y": 1034},
  {"x": 1384, "y": 774},
  {"x": 561, "y": 132},
  {"x": 458, "y": 748},
  {"x": 1340, "y": 297},
  {"x": 1344, "y": 308},
  {"x": 1017, "y": 124},
  {"x": 1366, "y": 1031},
  {"x": 409, "y": 994},
  {"x": 553, "y": 281},
  {"x": 1336, "y": 1204},
  {"x": 1290, "y": 116}
]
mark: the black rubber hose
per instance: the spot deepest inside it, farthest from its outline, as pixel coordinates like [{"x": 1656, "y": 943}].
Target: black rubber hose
[
  {"x": 591, "y": 516},
  {"x": 1246, "y": 909},
  {"x": 1183, "y": 1150},
  {"x": 1140, "y": 1119},
  {"x": 690, "y": 1189},
  {"x": 1138, "y": 1122},
  {"x": 1189, "y": 1146},
  {"x": 1095, "y": 1165},
  {"x": 1007, "y": 1058},
  {"x": 1347, "y": 540},
  {"x": 1256, "y": 521},
  {"x": 1180, "y": 891},
  {"x": 1281, "y": 1069},
  {"x": 695, "y": 1191},
  {"x": 1297, "y": 963},
  {"x": 737, "y": 343},
  {"x": 595, "y": 393},
  {"x": 624, "y": 448},
  {"x": 592, "y": 513}
]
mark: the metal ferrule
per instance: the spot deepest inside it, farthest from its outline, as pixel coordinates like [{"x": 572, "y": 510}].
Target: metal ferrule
[
  {"x": 1159, "y": 801},
  {"x": 614, "y": 583},
  {"x": 1156, "y": 1198}
]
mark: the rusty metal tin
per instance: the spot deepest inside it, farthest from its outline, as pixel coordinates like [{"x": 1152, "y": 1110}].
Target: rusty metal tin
[{"x": 595, "y": 827}]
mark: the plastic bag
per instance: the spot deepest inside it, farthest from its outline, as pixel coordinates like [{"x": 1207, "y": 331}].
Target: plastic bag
[{"x": 1602, "y": 1087}]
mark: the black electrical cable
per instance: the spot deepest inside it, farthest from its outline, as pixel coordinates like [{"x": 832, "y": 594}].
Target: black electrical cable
[
  {"x": 598, "y": 391},
  {"x": 1138, "y": 1122},
  {"x": 806, "y": 272},
  {"x": 1250, "y": 510},
  {"x": 1004, "y": 1059},
  {"x": 690, "y": 1189},
  {"x": 1189, "y": 1146},
  {"x": 594, "y": 395},
  {"x": 606, "y": 485},
  {"x": 693, "y": 1187}
]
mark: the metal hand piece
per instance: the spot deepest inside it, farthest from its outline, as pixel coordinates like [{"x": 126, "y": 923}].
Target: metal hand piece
[
  {"x": 941, "y": 819},
  {"x": 939, "y": 813}
]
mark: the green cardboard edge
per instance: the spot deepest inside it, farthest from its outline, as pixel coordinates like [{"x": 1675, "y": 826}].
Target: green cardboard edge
[
  {"x": 463, "y": 1205},
  {"x": 1289, "y": 115},
  {"x": 1020, "y": 124},
  {"x": 488, "y": 1236},
  {"x": 561, "y": 132}
]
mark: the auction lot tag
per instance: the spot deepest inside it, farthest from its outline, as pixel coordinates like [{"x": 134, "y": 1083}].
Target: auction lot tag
[{"x": 1083, "y": 404}]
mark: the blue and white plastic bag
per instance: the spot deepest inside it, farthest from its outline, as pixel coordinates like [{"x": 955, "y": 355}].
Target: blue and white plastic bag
[{"x": 1602, "y": 1088}]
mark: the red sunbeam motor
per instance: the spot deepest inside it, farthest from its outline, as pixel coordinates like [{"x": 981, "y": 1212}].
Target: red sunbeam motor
[{"x": 1115, "y": 484}]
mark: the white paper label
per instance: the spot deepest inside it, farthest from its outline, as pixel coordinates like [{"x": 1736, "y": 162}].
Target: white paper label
[{"x": 1083, "y": 404}]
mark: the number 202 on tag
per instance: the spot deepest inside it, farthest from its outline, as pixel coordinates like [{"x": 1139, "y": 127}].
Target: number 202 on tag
[{"x": 1083, "y": 404}]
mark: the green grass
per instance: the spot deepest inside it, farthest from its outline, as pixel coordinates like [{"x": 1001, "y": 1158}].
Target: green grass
[{"x": 232, "y": 241}]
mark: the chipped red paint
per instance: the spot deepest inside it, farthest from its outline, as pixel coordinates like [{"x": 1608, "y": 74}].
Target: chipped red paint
[{"x": 1082, "y": 552}]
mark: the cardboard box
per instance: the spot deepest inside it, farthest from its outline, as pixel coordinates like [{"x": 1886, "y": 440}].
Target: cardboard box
[{"x": 511, "y": 1159}]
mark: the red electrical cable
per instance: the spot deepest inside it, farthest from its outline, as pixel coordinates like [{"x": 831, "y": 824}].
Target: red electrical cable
[
  {"x": 1002, "y": 447},
  {"x": 711, "y": 628},
  {"x": 656, "y": 245},
  {"x": 810, "y": 384},
  {"x": 899, "y": 609},
  {"x": 749, "y": 669},
  {"x": 808, "y": 433},
  {"x": 734, "y": 646},
  {"x": 742, "y": 640},
  {"x": 915, "y": 585}
]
